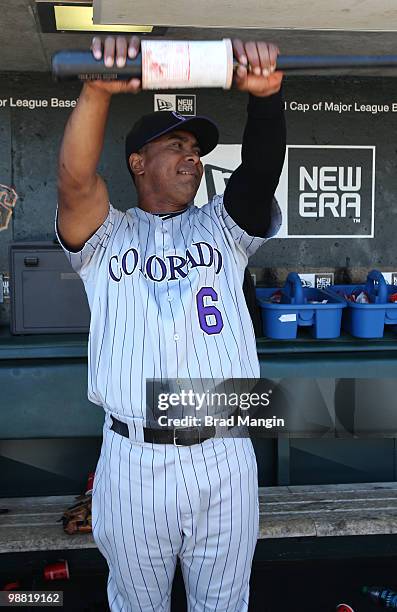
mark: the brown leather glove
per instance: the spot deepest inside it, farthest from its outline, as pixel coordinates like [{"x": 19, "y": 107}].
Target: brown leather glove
[{"x": 77, "y": 518}]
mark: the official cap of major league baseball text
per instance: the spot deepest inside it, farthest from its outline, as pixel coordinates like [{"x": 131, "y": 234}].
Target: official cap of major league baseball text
[{"x": 152, "y": 126}]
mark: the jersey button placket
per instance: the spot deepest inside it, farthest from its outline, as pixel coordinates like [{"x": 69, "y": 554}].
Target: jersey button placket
[
  {"x": 161, "y": 291},
  {"x": 166, "y": 241},
  {"x": 173, "y": 337}
]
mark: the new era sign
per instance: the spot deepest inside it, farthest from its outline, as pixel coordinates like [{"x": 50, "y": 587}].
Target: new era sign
[
  {"x": 331, "y": 191},
  {"x": 184, "y": 104},
  {"x": 323, "y": 192},
  {"x": 218, "y": 166}
]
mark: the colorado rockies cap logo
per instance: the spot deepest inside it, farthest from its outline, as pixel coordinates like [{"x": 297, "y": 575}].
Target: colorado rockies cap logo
[{"x": 178, "y": 116}]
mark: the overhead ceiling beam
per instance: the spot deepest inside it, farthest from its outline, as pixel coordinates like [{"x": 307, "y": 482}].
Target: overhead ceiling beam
[
  {"x": 354, "y": 15},
  {"x": 77, "y": 16}
]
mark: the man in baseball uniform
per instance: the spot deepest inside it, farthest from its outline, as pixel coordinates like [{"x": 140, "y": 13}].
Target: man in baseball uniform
[{"x": 164, "y": 284}]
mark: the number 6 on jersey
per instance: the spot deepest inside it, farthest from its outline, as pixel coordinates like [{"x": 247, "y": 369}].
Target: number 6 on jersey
[{"x": 210, "y": 317}]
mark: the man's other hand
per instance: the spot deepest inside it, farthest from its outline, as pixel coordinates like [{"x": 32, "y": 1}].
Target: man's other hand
[
  {"x": 256, "y": 72},
  {"x": 115, "y": 51}
]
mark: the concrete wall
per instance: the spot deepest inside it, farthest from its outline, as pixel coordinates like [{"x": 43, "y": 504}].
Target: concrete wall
[{"x": 30, "y": 137}]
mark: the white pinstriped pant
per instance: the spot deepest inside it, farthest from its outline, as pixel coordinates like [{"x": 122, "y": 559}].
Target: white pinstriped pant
[{"x": 155, "y": 502}]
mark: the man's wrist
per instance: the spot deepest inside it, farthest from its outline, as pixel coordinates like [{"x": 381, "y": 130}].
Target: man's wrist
[
  {"x": 92, "y": 91},
  {"x": 263, "y": 108}
]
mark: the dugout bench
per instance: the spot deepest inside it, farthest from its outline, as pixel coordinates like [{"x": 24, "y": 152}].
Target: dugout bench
[
  {"x": 32, "y": 523},
  {"x": 312, "y": 490}
]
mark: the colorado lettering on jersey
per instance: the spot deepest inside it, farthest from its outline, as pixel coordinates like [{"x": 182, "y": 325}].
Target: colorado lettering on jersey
[{"x": 170, "y": 267}]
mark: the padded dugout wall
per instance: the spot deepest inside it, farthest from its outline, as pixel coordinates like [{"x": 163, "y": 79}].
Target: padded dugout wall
[
  {"x": 30, "y": 138},
  {"x": 34, "y": 460}
]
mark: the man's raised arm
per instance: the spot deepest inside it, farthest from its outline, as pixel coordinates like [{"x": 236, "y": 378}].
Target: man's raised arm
[
  {"x": 250, "y": 190},
  {"x": 83, "y": 201}
]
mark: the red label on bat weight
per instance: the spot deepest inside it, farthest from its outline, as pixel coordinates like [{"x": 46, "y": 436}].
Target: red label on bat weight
[{"x": 344, "y": 608}]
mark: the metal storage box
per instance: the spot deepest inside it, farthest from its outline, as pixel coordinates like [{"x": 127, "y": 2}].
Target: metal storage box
[{"x": 47, "y": 296}]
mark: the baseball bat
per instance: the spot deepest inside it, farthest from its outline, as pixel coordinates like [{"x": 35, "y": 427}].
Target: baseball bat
[{"x": 81, "y": 65}]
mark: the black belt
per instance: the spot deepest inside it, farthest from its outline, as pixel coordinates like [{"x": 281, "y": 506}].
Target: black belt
[{"x": 179, "y": 436}]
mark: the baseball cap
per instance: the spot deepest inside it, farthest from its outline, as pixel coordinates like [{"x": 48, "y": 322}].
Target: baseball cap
[{"x": 149, "y": 127}]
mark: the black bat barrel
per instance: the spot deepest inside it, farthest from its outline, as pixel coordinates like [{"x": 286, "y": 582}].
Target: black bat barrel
[{"x": 81, "y": 65}]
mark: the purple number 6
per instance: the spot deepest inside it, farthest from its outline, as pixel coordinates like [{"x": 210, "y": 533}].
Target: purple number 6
[{"x": 205, "y": 311}]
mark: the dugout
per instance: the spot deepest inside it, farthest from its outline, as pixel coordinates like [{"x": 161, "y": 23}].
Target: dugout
[
  {"x": 59, "y": 418},
  {"x": 49, "y": 433}
]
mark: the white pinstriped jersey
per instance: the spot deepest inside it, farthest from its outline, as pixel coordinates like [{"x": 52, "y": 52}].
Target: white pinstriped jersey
[{"x": 166, "y": 301}]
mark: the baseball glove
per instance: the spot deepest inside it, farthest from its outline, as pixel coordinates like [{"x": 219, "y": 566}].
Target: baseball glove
[{"x": 77, "y": 518}]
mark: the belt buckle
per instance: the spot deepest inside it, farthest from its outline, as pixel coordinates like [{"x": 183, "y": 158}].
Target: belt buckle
[{"x": 175, "y": 430}]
